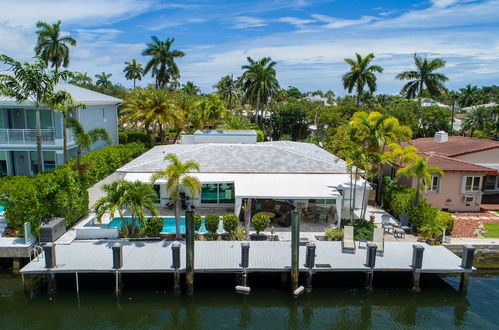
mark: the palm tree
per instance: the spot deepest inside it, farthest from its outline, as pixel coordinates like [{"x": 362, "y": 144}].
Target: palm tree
[
  {"x": 423, "y": 76},
  {"x": 133, "y": 71},
  {"x": 162, "y": 64},
  {"x": 360, "y": 74},
  {"x": 139, "y": 197},
  {"x": 212, "y": 109},
  {"x": 103, "y": 80},
  {"x": 189, "y": 113},
  {"x": 85, "y": 140},
  {"x": 81, "y": 78},
  {"x": 479, "y": 119},
  {"x": 29, "y": 83},
  {"x": 190, "y": 88},
  {"x": 469, "y": 96},
  {"x": 51, "y": 47},
  {"x": 259, "y": 83},
  {"x": 237, "y": 122},
  {"x": 422, "y": 172},
  {"x": 63, "y": 102},
  {"x": 228, "y": 90},
  {"x": 113, "y": 201},
  {"x": 176, "y": 175}
]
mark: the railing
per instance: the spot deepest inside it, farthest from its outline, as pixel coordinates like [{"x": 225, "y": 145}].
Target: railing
[{"x": 25, "y": 136}]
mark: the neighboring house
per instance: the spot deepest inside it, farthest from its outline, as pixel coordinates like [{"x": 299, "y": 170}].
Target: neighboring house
[
  {"x": 433, "y": 103},
  {"x": 471, "y": 168},
  {"x": 318, "y": 98},
  {"x": 487, "y": 105},
  {"x": 233, "y": 171},
  {"x": 18, "y": 154}
]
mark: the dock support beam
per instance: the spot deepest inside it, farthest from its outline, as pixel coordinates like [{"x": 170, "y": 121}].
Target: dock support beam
[
  {"x": 189, "y": 237},
  {"x": 310, "y": 264},
  {"x": 417, "y": 264},
  {"x": 295, "y": 245},
  {"x": 176, "y": 266},
  {"x": 370, "y": 262},
  {"x": 117, "y": 264},
  {"x": 50, "y": 262},
  {"x": 467, "y": 264}
]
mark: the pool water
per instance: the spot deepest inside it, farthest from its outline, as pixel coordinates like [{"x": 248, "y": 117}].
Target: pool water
[
  {"x": 168, "y": 224},
  {"x": 1, "y": 208}
]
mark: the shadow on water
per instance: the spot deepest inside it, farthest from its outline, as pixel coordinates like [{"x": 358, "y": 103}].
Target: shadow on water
[{"x": 337, "y": 300}]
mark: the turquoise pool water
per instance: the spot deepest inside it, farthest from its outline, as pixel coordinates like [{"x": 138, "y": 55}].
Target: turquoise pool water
[
  {"x": 1, "y": 208},
  {"x": 168, "y": 224}
]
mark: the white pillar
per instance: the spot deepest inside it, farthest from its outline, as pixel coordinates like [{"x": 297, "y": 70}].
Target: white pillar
[{"x": 238, "y": 205}]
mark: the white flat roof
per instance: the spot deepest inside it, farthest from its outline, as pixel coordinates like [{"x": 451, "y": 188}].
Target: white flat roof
[{"x": 282, "y": 186}]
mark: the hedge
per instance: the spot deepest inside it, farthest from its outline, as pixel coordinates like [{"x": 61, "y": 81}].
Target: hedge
[
  {"x": 60, "y": 192},
  {"x": 230, "y": 222}
]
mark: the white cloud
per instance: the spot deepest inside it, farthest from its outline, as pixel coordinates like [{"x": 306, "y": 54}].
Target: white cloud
[
  {"x": 245, "y": 22},
  {"x": 338, "y": 23},
  {"x": 299, "y": 22},
  {"x": 173, "y": 23}
]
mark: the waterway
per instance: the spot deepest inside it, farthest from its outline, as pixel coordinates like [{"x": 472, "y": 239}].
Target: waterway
[{"x": 338, "y": 301}]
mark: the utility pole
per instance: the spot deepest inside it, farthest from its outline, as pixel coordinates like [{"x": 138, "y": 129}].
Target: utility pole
[{"x": 452, "y": 113}]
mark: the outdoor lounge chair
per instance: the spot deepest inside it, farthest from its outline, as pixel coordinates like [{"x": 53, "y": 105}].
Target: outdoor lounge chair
[
  {"x": 404, "y": 222},
  {"x": 348, "y": 242},
  {"x": 378, "y": 239},
  {"x": 385, "y": 222}
]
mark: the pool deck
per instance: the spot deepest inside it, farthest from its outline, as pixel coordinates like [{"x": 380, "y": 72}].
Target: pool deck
[{"x": 225, "y": 256}]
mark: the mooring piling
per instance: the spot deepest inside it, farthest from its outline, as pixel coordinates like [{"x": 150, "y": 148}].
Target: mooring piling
[
  {"x": 417, "y": 264},
  {"x": 370, "y": 262},
  {"x": 117, "y": 264},
  {"x": 50, "y": 262},
  {"x": 176, "y": 266},
  {"x": 295, "y": 245},
  {"x": 310, "y": 263},
  {"x": 467, "y": 264},
  {"x": 245, "y": 261},
  {"x": 189, "y": 255}
]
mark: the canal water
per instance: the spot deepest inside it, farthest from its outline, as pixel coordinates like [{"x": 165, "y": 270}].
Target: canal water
[{"x": 337, "y": 301}]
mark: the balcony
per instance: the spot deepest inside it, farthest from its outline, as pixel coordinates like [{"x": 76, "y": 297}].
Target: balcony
[{"x": 26, "y": 136}]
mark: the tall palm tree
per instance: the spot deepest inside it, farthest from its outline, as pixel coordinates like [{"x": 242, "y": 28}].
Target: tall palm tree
[
  {"x": 479, "y": 119},
  {"x": 64, "y": 103},
  {"x": 470, "y": 95},
  {"x": 113, "y": 201},
  {"x": 189, "y": 113},
  {"x": 212, "y": 109},
  {"x": 236, "y": 122},
  {"x": 133, "y": 71},
  {"x": 81, "y": 78},
  {"x": 139, "y": 198},
  {"x": 422, "y": 172},
  {"x": 103, "y": 80},
  {"x": 190, "y": 88},
  {"x": 361, "y": 73},
  {"x": 177, "y": 175},
  {"x": 423, "y": 76},
  {"x": 228, "y": 90},
  {"x": 162, "y": 64},
  {"x": 51, "y": 47},
  {"x": 28, "y": 83},
  {"x": 259, "y": 83},
  {"x": 85, "y": 140}
]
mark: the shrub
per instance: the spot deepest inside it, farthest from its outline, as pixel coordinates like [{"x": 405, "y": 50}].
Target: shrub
[
  {"x": 239, "y": 235},
  {"x": 445, "y": 220},
  {"x": 401, "y": 201},
  {"x": 153, "y": 226},
  {"x": 259, "y": 135},
  {"x": 422, "y": 214},
  {"x": 362, "y": 229},
  {"x": 137, "y": 137},
  {"x": 230, "y": 222},
  {"x": 197, "y": 222},
  {"x": 333, "y": 234},
  {"x": 122, "y": 137},
  {"x": 211, "y": 222},
  {"x": 260, "y": 222}
]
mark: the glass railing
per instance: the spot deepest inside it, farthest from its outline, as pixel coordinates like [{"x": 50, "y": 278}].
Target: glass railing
[{"x": 25, "y": 136}]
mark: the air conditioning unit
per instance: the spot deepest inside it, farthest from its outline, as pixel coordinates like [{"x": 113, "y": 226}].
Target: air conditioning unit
[{"x": 468, "y": 198}]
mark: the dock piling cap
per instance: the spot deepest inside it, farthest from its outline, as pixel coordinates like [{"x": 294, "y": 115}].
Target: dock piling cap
[
  {"x": 243, "y": 289},
  {"x": 298, "y": 291}
]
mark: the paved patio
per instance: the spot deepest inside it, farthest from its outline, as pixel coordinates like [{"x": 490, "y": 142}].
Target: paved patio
[{"x": 466, "y": 224}]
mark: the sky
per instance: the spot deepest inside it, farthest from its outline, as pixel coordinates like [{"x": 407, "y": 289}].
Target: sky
[{"x": 308, "y": 39}]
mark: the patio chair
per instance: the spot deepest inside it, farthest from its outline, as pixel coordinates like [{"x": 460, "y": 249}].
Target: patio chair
[
  {"x": 378, "y": 239},
  {"x": 348, "y": 241},
  {"x": 385, "y": 222},
  {"x": 404, "y": 222}
]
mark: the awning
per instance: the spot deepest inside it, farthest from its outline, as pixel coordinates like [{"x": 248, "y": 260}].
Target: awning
[{"x": 275, "y": 186}]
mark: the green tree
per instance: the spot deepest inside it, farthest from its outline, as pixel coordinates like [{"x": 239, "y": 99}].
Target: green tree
[
  {"x": 259, "y": 83},
  {"x": 360, "y": 74},
  {"x": 133, "y": 71},
  {"x": 468, "y": 96},
  {"x": 422, "y": 172},
  {"x": 228, "y": 90},
  {"x": 478, "y": 120},
  {"x": 31, "y": 83},
  {"x": 423, "y": 76},
  {"x": 103, "y": 80},
  {"x": 81, "y": 78},
  {"x": 63, "y": 102},
  {"x": 177, "y": 175},
  {"x": 190, "y": 88},
  {"x": 237, "y": 122},
  {"x": 85, "y": 140},
  {"x": 51, "y": 47},
  {"x": 162, "y": 63},
  {"x": 433, "y": 119},
  {"x": 139, "y": 198},
  {"x": 113, "y": 201},
  {"x": 211, "y": 108}
]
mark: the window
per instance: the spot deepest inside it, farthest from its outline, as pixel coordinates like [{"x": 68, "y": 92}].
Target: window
[
  {"x": 217, "y": 193},
  {"x": 434, "y": 184},
  {"x": 3, "y": 163},
  {"x": 33, "y": 158},
  {"x": 491, "y": 182},
  {"x": 472, "y": 183},
  {"x": 323, "y": 201},
  {"x": 157, "y": 190},
  {"x": 45, "y": 119},
  {"x": 48, "y": 160}
]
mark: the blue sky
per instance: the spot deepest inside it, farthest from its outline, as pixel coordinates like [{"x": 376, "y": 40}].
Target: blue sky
[{"x": 309, "y": 39}]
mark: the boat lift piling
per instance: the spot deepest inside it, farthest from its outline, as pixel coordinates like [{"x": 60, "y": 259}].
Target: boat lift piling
[
  {"x": 310, "y": 263},
  {"x": 295, "y": 245},
  {"x": 370, "y": 262},
  {"x": 50, "y": 262},
  {"x": 466, "y": 263},
  {"x": 176, "y": 266},
  {"x": 417, "y": 264},
  {"x": 117, "y": 264},
  {"x": 189, "y": 255}
]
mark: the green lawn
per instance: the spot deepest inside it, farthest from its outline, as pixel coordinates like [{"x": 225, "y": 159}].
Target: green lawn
[{"x": 492, "y": 230}]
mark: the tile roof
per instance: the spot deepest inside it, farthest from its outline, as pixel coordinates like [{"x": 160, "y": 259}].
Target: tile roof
[
  {"x": 264, "y": 157},
  {"x": 448, "y": 164},
  {"x": 455, "y": 146}
]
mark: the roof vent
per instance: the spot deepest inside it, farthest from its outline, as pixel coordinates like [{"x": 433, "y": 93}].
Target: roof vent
[{"x": 441, "y": 136}]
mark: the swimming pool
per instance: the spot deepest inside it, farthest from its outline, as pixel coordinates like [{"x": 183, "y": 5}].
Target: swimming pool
[
  {"x": 1, "y": 209},
  {"x": 168, "y": 224}
]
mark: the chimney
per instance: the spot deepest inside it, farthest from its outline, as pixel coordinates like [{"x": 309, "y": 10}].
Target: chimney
[{"x": 441, "y": 136}]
